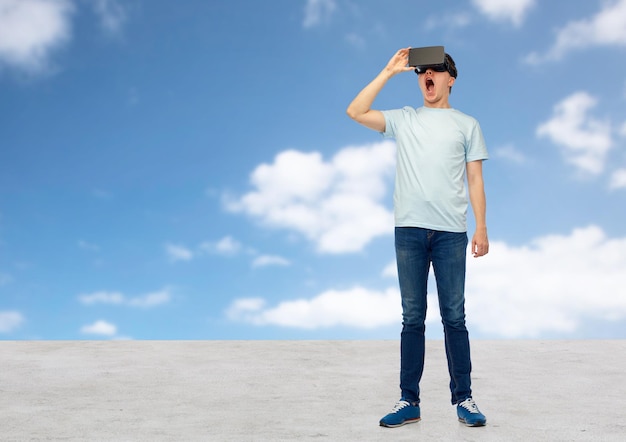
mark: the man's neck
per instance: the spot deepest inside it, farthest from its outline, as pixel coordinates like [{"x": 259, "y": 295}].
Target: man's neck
[{"x": 441, "y": 104}]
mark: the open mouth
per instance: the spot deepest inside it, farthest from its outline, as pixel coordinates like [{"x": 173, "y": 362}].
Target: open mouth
[{"x": 430, "y": 84}]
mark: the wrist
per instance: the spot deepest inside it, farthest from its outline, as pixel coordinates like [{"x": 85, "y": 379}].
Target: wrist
[{"x": 387, "y": 73}]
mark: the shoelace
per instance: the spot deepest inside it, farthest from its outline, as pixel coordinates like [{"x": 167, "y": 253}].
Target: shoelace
[
  {"x": 399, "y": 406},
  {"x": 470, "y": 406}
]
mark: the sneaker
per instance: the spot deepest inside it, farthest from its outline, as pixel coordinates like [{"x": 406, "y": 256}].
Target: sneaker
[
  {"x": 403, "y": 412},
  {"x": 469, "y": 414}
]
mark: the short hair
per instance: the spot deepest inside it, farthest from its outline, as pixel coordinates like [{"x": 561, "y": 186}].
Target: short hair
[{"x": 451, "y": 67}]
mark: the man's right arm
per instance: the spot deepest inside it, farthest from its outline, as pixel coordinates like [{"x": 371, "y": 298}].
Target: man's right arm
[{"x": 360, "y": 110}]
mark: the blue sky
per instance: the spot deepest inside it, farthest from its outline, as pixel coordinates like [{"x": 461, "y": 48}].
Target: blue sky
[{"x": 186, "y": 170}]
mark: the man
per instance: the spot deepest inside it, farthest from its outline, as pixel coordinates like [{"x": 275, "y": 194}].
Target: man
[{"x": 437, "y": 147}]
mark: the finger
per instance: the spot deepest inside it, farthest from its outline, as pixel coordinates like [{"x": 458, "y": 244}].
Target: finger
[{"x": 481, "y": 250}]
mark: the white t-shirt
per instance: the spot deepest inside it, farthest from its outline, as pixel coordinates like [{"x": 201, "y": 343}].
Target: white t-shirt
[{"x": 433, "y": 147}]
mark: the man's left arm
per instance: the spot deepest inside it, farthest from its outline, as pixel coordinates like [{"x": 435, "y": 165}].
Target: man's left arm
[{"x": 476, "y": 187}]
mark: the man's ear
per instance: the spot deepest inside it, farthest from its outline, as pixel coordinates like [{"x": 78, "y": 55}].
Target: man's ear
[{"x": 451, "y": 81}]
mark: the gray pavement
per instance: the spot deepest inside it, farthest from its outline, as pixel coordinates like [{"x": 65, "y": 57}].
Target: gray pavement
[{"x": 302, "y": 390}]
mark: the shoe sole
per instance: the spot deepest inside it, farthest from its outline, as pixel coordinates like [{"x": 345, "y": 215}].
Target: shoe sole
[
  {"x": 408, "y": 421},
  {"x": 475, "y": 424}
]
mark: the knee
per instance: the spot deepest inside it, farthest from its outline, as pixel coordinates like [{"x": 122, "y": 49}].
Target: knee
[
  {"x": 453, "y": 318},
  {"x": 413, "y": 316},
  {"x": 453, "y": 314},
  {"x": 454, "y": 323},
  {"x": 413, "y": 328}
]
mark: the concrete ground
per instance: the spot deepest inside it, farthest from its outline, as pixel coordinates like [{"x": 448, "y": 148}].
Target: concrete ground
[{"x": 303, "y": 390}]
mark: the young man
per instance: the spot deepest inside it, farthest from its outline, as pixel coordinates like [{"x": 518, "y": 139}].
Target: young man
[{"x": 437, "y": 147}]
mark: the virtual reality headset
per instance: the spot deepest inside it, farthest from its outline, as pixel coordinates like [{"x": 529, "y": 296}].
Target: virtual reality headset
[{"x": 430, "y": 57}]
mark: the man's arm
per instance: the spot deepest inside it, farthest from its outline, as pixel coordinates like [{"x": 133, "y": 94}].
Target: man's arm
[
  {"x": 476, "y": 187},
  {"x": 360, "y": 110}
]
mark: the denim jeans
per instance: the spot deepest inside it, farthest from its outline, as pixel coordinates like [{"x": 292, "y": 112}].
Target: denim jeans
[{"x": 416, "y": 249}]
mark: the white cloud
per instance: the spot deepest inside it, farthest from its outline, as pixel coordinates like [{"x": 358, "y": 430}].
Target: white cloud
[
  {"x": 116, "y": 298},
  {"x": 452, "y": 20},
  {"x": 510, "y": 153},
  {"x": 338, "y": 205},
  {"x": 240, "y": 308},
  {"x": 390, "y": 270},
  {"x": 357, "y": 307},
  {"x": 585, "y": 140},
  {"x": 622, "y": 130},
  {"x": 552, "y": 285},
  {"x": 88, "y": 246},
  {"x": 513, "y": 11},
  {"x": 31, "y": 29},
  {"x": 10, "y": 320},
  {"x": 356, "y": 40},
  {"x": 317, "y": 12},
  {"x": 606, "y": 28},
  {"x": 618, "y": 179},
  {"x": 100, "y": 327},
  {"x": 270, "y": 260},
  {"x": 112, "y": 15},
  {"x": 228, "y": 246},
  {"x": 151, "y": 299},
  {"x": 178, "y": 253},
  {"x": 225, "y": 246}
]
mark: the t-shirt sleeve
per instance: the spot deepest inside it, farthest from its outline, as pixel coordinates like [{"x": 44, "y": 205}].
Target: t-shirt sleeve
[
  {"x": 392, "y": 118},
  {"x": 476, "y": 148}
]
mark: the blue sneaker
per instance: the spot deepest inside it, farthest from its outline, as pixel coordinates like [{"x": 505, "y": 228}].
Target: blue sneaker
[
  {"x": 469, "y": 413},
  {"x": 403, "y": 412}
]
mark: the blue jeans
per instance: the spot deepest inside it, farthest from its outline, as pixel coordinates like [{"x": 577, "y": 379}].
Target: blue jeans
[{"x": 416, "y": 249}]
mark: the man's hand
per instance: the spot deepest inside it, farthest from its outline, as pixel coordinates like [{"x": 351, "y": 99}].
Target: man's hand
[
  {"x": 480, "y": 243},
  {"x": 399, "y": 63},
  {"x": 360, "y": 110}
]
